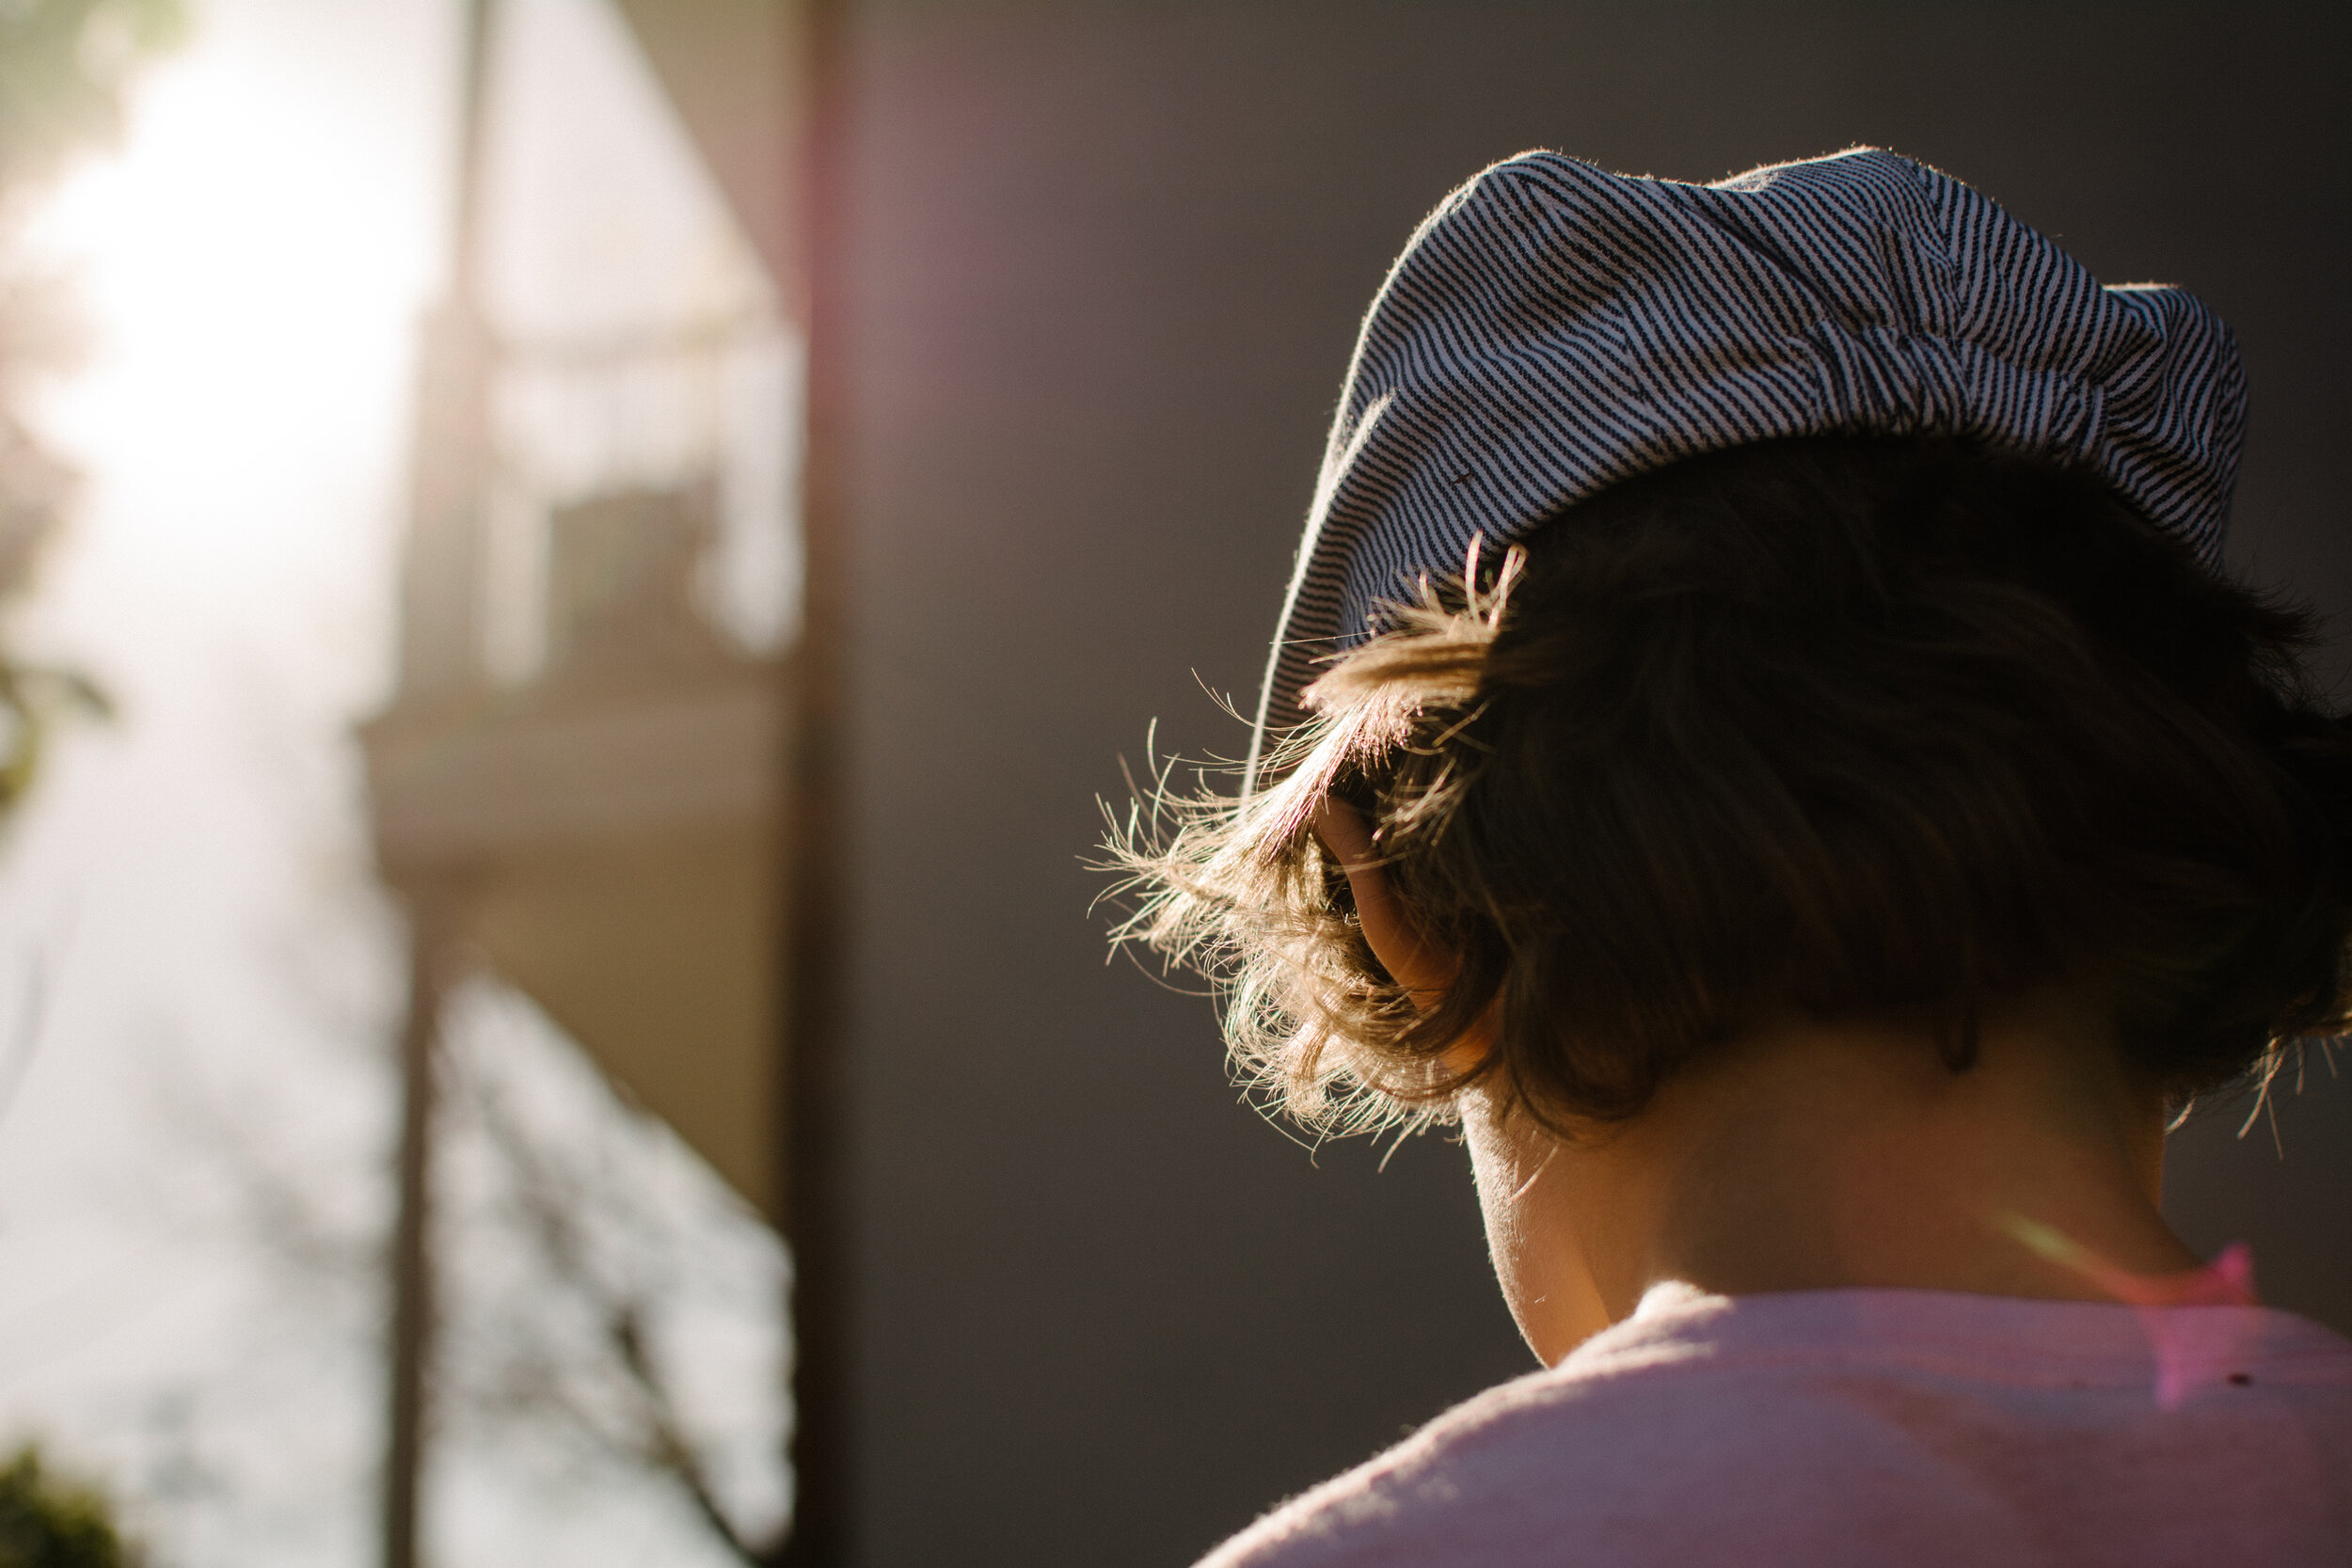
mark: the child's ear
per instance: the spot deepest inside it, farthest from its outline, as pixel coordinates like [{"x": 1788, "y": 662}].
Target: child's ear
[{"x": 1413, "y": 959}]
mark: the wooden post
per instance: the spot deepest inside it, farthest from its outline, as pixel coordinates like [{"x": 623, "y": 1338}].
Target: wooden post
[
  {"x": 414, "y": 1312},
  {"x": 440, "y": 660},
  {"x": 815, "y": 1081}
]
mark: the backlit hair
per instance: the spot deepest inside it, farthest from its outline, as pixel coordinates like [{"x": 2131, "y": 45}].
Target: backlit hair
[{"x": 1849, "y": 726}]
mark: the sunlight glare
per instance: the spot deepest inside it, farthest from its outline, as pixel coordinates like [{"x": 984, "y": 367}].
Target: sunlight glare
[{"x": 252, "y": 263}]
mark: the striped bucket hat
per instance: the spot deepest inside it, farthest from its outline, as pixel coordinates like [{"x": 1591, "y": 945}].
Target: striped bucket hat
[{"x": 1553, "y": 328}]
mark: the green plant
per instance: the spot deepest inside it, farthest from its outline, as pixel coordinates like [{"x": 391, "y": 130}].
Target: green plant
[
  {"x": 49, "y": 1522},
  {"x": 64, "y": 65}
]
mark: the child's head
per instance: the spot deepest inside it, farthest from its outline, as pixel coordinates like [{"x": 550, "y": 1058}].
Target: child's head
[
  {"x": 1835, "y": 727},
  {"x": 1844, "y": 642}
]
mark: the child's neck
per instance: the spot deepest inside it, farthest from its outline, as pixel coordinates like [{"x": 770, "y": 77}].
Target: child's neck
[{"x": 1809, "y": 1156}]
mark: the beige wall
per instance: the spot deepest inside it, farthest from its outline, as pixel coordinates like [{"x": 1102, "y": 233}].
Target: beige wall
[
  {"x": 608, "y": 844},
  {"x": 655, "y": 951}
]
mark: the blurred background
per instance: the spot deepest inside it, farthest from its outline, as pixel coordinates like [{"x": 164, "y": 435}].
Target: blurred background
[{"x": 574, "y": 570}]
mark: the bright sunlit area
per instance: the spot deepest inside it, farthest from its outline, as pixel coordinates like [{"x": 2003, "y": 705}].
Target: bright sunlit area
[{"x": 201, "y": 977}]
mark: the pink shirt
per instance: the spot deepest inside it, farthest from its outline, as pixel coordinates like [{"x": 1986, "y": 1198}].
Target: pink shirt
[{"x": 1826, "y": 1428}]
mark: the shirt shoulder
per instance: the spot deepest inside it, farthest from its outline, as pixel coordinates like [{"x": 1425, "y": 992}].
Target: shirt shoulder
[{"x": 1918, "y": 1429}]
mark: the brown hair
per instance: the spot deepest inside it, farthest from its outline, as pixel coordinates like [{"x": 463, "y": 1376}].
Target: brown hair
[{"x": 1855, "y": 726}]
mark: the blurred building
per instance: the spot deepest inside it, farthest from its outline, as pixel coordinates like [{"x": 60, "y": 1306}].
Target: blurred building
[
  {"x": 579, "y": 780},
  {"x": 1079, "y": 282},
  {"x": 582, "y": 771}
]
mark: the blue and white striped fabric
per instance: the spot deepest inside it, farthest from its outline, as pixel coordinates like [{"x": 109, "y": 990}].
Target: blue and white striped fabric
[{"x": 1553, "y": 328}]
